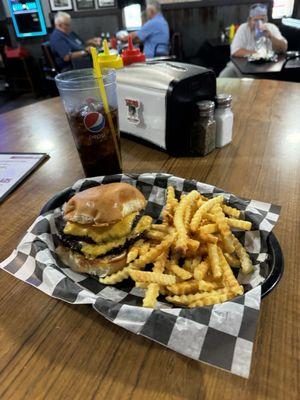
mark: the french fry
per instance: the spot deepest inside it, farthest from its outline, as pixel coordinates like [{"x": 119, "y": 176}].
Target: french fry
[
  {"x": 153, "y": 253},
  {"x": 209, "y": 286},
  {"x": 116, "y": 278},
  {"x": 186, "y": 299},
  {"x": 132, "y": 254},
  {"x": 232, "y": 222},
  {"x": 187, "y": 216},
  {"x": 201, "y": 270},
  {"x": 188, "y": 265},
  {"x": 160, "y": 263},
  {"x": 228, "y": 276},
  {"x": 212, "y": 299},
  {"x": 152, "y": 293},
  {"x": 155, "y": 235},
  {"x": 142, "y": 285},
  {"x": 214, "y": 260},
  {"x": 186, "y": 287},
  {"x": 203, "y": 209},
  {"x": 210, "y": 217},
  {"x": 144, "y": 248},
  {"x": 192, "y": 247},
  {"x": 232, "y": 260},
  {"x": 202, "y": 251},
  {"x": 180, "y": 272},
  {"x": 224, "y": 229},
  {"x": 246, "y": 263},
  {"x": 143, "y": 225},
  {"x": 181, "y": 244},
  {"x": 239, "y": 224},
  {"x": 208, "y": 228},
  {"x": 208, "y": 237},
  {"x": 161, "y": 228},
  {"x": 145, "y": 285},
  {"x": 153, "y": 277},
  {"x": 134, "y": 251},
  {"x": 171, "y": 203},
  {"x": 200, "y": 202},
  {"x": 232, "y": 212}
]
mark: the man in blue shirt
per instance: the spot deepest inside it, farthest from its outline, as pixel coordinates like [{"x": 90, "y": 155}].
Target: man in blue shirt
[
  {"x": 65, "y": 44},
  {"x": 154, "y": 33}
]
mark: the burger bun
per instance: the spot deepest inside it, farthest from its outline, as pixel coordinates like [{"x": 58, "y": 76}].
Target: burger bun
[{"x": 101, "y": 267}]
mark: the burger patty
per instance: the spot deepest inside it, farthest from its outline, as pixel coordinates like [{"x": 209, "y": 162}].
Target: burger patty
[{"x": 74, "y": 242}]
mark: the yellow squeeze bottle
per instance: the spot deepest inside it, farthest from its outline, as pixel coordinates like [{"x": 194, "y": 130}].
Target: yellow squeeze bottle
[
  {"x": 231, "y": 33},
  {"x": 108, "y": 60},
  {"x": 99, "y": 76}
]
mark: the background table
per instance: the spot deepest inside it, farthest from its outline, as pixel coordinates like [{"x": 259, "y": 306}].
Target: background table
[
  {"x": 52, "y": 350},
  {"x": 248, "y": 68}
]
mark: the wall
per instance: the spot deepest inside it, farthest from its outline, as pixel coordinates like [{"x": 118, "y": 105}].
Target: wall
[
  {"x": 85, "y": 23},
  {"x": 198, "y": 24}
]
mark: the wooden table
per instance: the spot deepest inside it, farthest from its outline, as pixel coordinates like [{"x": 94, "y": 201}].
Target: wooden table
[
  {"x": 248, "y": 68},
  {"x": 52, "y": 350}
]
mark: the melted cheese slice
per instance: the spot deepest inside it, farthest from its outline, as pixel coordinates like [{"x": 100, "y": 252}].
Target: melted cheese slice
[
  {"x": 96, "y": 250},
  {"x": 144, "y": 224},
  {"x": 103, "y": 233}
]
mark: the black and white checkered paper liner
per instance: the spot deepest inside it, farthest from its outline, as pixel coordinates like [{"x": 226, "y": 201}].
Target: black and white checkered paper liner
[{"x": 221, "y": 335}]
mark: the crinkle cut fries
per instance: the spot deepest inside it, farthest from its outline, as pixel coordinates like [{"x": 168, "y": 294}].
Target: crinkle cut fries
[{"x": 192, "y": 253}]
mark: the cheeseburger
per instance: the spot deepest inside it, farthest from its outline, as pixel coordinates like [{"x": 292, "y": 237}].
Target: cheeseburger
[{"x": 98, "y": 225}]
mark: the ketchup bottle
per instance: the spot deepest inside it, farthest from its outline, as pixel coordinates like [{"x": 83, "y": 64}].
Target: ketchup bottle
[{"x": 132, "y": 55}]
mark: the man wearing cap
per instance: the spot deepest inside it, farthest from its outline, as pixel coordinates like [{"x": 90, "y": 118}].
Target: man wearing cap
[
  {"x": 154, "y": 33},
  {"x": 248, "y": 35}
]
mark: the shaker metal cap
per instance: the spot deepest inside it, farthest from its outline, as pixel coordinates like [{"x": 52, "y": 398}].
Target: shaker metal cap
[
  {"x": 206, "y": 105},
  {"x": 223, "y": 100}
]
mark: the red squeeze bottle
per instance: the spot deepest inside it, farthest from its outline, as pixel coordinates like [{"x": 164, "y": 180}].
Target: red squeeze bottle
[
  {"x": 132, "y": 55},
  {"x": 113, "y": 43}
]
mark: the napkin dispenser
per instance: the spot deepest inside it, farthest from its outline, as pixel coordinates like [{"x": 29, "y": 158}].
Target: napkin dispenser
[{"x": 157, "y": 103}]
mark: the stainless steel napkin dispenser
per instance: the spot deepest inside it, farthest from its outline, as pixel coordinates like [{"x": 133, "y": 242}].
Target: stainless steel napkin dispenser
[{"x": 157, "y": 102}]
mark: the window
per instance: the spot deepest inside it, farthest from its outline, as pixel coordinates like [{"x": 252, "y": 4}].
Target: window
[
  {"x": 132, "y": 17},
  {"x": 282, "y": 8}
]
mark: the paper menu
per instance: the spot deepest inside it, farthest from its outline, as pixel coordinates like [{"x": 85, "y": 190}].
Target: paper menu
[{"x": 15, "y": 167}]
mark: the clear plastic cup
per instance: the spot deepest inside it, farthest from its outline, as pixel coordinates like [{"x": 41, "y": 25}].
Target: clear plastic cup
[{"x": 98, "y": 150}]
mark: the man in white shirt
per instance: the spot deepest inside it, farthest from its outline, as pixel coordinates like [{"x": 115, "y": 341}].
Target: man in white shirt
[{"x": 249, "y": 35}]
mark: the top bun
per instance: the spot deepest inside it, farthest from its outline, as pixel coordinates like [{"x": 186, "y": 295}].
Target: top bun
[{"x": 104, "y": 205}]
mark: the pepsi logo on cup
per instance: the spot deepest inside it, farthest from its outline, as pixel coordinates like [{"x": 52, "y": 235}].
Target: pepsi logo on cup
[{"x": 94, "y": 122}]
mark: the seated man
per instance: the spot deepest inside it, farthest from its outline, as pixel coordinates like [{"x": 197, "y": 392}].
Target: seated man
[
  {"x": 154, "y": 33},
  {"x": 65, "y": 44},
  {"x": 246, "y": 39}
]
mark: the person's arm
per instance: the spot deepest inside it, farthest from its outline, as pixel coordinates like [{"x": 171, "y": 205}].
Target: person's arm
[
  {"x": 75, "y": 54},
  {"x": 145, "y": 32},
  {"x": 243, "y": 53},
  {"x": 133, "y": 35},
  {"x": 95, "y": 41},
  {"x": 279, "y": 43},
  {"x": 64, "y": 50}
]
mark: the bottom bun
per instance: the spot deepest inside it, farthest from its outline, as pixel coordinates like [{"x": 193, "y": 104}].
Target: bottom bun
[{"x": 99, "y": 266}]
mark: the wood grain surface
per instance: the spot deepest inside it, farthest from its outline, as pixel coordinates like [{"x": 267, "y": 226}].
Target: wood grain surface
[{"x": 52, "y": 350}]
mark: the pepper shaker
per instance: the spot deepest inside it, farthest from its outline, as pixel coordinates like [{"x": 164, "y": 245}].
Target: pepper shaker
[{"x": 204, "y": 131}]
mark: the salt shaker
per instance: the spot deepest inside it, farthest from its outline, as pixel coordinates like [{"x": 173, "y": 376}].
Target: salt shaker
[{"x": 224, "y": 119}]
